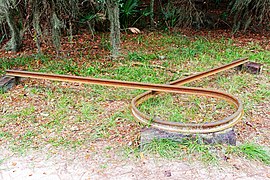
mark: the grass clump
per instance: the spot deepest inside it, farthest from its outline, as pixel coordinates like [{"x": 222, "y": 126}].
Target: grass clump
[
  {"x": 184, "y": 150},
  {"x": 186, "y": 108},
  {"x": 208, "y": 153},
  {"x": 253, "y": 151}
]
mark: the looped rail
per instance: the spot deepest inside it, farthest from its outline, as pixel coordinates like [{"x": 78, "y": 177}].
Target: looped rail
[
  {"x": 173, "y": 87},
  {"x": 190, "y": 127}
]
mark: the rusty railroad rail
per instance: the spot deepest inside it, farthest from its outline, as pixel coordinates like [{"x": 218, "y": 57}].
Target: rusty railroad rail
[{"x": 153, "y": 89}]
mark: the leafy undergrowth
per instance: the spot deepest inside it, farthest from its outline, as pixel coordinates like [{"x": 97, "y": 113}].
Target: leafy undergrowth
[{"x": 39, "y": 113}]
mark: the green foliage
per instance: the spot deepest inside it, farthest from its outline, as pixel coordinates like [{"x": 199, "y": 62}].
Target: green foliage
[
  {"x": 171, "y": 15},
  {"x": 248, "y": 13},
  {"x": 53, "y": 18},
  {"x": 94, "y": 16},
  {"x": 251, "y": 151},
  {"x": 186, "y": 149},
  {"x": 6, "y": 63},
  {"x": 135, "y": 56},
  {"x": 205, "y": 152},
  {"x": 185, "y": 108},
  {"x": 182, "y": 13},
  {"x": 48, "y": 17},
  {"x": 128, "y": 9}
]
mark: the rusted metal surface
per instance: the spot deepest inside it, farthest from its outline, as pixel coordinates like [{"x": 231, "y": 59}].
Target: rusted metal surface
[
  {"x": 173, "y": 87},
  {"x": 188, "y": 127}
]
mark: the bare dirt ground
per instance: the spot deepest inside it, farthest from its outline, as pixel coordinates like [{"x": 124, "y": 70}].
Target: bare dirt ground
[{"x": 106, "y": 164}]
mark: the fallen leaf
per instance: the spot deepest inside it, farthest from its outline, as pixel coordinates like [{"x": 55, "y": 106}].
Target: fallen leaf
[
  {"x": 134, "y": 30},
  {"x": 44, "y": 114}
]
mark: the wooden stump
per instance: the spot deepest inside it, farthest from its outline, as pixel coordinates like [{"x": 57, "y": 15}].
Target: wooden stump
[
  {"x": 7, "y": 82},
  {"x": 251, "y": 67},
  {"x": 223, "y": 137}
]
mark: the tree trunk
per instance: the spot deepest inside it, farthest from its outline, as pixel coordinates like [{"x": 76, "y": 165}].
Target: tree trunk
[
  {"x": 15, "y": 42},
  {"x": 152, "y": 22},
  {"x": 36, "y": 25},
  {"x": 113, "y": 11}
]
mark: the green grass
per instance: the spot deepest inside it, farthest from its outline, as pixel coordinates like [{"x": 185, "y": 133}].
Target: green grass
[
  {"x": 193, "y": 150},
  {"x": 51, "y": 112},
  {"x": 184, "y": 150},
  {"x": 186, "y": 108},
  {"x": 254, "y": 151},
  {"x": 6, "y": 63},
  {"x": 250, "y": 151}
]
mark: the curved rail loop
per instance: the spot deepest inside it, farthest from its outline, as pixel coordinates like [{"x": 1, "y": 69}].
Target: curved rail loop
[{"x": 173, "y": 87}]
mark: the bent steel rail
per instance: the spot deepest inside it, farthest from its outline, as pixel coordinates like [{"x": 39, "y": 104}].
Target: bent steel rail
[{"x": 173, "y": 87}]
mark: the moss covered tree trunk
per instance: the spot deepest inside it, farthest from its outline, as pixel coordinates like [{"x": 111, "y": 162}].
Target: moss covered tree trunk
[
  {"x": 113, "y": 11},
  {"x": 36, "y": 24},
  {"x": 15, "y": 42},
  {"x": 56, "y": 28},
  {"x": 152, "y": 22}
]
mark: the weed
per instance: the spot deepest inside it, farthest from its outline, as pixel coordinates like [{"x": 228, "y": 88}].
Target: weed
[
  {"x": 27, "y": 111},
  {"x": 163, "y": 147},
  {"x": 129, "y": 150},
  {"x": 91, "y": 71},
  {"x": 18, "y": 62},
  {"x": 180, "y": 150},
  {"x": 138, "y": 73},
  {"x": 204, "y": 152},
  {"x": 185, "y": 108},
  {"x": 105, "y": 43},
  {"x": 261, "y": 93},
  {"x": 5, "y": 134},
  {"x": 251, "y": 151},
  {"x": 2, "y": 90},
  {"x": 1, "y": 162},
  {"x": 127, "y": 10},
  {"x": 134, "y": 56}
]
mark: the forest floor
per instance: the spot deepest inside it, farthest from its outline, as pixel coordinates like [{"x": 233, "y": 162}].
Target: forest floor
[{"x": 55, "y": 130}]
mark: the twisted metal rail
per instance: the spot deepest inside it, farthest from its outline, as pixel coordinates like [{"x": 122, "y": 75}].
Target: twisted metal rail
[{"x": 173, "y": 87}]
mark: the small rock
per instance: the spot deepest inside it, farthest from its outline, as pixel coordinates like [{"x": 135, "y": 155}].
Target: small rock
[
  {"x": 161, "y": 57},
  {"x": 44, "y": 114},
  {"x": 167, "y": 173},
  {"x": 74, "y": 128}
]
